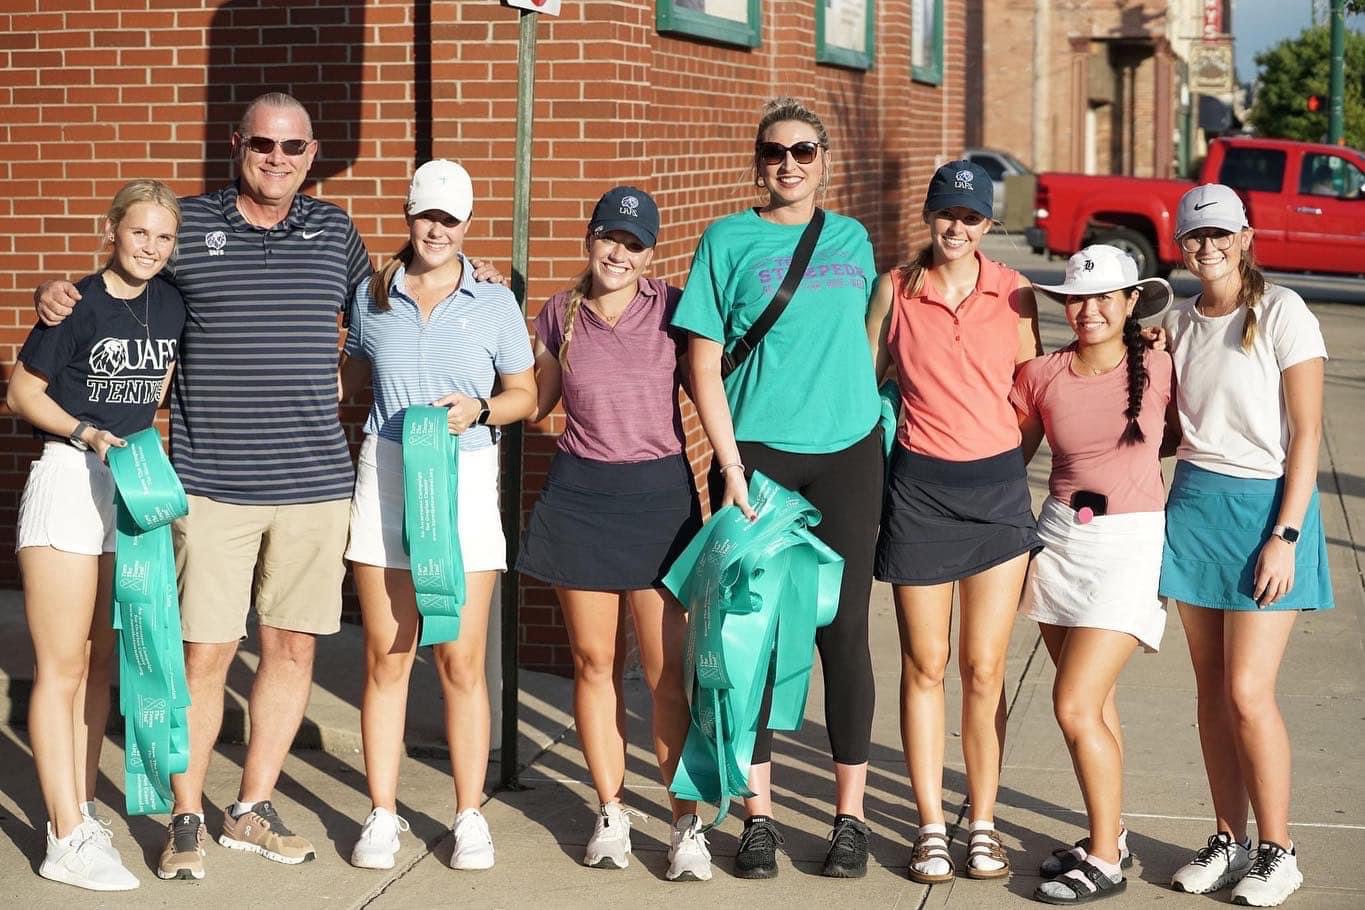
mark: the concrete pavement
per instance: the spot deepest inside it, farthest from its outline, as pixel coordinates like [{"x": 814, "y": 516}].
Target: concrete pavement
[{"x": 540, "y": 830}]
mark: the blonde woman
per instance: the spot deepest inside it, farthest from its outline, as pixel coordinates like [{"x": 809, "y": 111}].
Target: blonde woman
[
  {"x": 618, "y": 507},
  {"x": 1245, "y": 549},
  {"x": 84, "y": 385}
]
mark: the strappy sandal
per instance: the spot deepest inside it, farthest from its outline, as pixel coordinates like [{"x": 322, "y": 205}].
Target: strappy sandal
[
  {"x": 1096, "y": 886},
  {"x": 930, "y": 846},
  {"x": 986, "y": 843},
  {"x": 1064, "y": 859}
]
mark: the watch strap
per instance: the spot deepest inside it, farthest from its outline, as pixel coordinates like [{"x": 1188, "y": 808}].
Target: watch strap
[
  {"x": 75, "y": 437},
  {"x": 484, "y": 413}
]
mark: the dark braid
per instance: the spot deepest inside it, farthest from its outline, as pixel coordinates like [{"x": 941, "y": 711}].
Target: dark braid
[{"x": 1137, "y": 381}]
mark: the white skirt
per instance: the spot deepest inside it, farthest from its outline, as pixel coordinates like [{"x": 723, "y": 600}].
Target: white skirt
[
  {"x": 68, "y": 503},
  {"x": 377, "y": 509},
  {"x": 1100, "y": 575}
]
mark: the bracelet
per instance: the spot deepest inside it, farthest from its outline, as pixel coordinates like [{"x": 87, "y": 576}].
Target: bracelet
[{"x": 733, "y": 464}]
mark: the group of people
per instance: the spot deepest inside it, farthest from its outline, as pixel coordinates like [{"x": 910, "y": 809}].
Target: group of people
[{"x": 259, "y": 275}]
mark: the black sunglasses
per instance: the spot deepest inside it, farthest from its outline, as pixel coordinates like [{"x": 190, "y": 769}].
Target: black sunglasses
[
  {"x": 264, "y": 145},
  {"x": 775, "y": 152}
]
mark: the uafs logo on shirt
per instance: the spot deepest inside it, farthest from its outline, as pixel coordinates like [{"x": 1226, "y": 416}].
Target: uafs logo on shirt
[
  {"x": 630, "y": 205},
  {"x": 216, "y": 241},
  {"x": 111, "y": 357},
  {"x": 962, "y": 180}
]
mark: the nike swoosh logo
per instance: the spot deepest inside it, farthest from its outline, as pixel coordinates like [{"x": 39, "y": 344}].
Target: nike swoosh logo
[
  {"x": 309, "y": 235},
  {"x": 1196, "y": 208}
]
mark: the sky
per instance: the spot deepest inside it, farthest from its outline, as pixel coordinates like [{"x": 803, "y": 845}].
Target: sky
[{"x": 1261, "y": 24}]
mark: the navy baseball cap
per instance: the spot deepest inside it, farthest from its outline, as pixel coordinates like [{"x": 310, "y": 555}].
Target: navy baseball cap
[
  {"x": 960, "y": 184},
  {"x": 626, "y": 208}
]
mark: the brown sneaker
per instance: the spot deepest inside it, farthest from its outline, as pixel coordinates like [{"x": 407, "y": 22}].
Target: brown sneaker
[
  {"x": 183, "y": 855},
  {"x": 261, "y": 831}
]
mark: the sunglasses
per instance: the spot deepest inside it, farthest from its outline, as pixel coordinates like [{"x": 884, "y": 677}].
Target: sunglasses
[
  {"x": 264, "y": 145},
  {"x": 775, "y": 152},
  {"x": 1220, "y": 240}
]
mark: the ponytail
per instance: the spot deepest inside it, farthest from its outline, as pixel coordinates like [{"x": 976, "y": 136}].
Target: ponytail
[
  {"x": 383, "y": 279},
  {"x": 1137, "y": 381},
  {"x": 1249, "y": 294},
  {"x": 911, "y": 274},
  {"x": 580, "y": 290}
]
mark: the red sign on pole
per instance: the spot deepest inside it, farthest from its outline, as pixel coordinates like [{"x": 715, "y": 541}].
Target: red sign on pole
[{"x": 1213, "y": 18}]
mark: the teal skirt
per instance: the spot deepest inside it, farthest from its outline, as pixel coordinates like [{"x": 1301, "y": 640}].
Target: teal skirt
[{"x": 1216, "y": 525}]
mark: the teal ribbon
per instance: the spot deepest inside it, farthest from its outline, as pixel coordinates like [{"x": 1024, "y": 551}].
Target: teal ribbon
[
  {"x": 153, "y": 696},
  {"x": 890, "y": 395},
  {"x": 431, "y": 536},
  {"x": 756, "y": 592}
]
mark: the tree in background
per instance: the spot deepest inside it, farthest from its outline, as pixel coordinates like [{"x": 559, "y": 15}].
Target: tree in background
[{"x": 1297, "y": 68}]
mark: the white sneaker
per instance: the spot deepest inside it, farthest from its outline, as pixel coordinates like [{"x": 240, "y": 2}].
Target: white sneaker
[
  {"x": 101, "y": 829},
  {"x": 80, "y": 859},
  {"x": 378, "y": 840},
  {"x": 688, "y": 858},
  {"x": 609, "y": 846},
  {"x": 473, "y": 842},
  {"x": 1218, "y": 864},
  {"x": 1273, "y": 877}
]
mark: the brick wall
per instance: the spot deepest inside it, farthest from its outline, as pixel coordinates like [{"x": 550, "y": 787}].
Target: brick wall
[{"x": 97, "y": 93}]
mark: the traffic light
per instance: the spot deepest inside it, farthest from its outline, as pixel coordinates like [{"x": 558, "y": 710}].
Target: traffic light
[{"x": 1313, "y": 103}]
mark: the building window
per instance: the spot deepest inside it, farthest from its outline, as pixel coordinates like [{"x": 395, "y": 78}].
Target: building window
[
  {"x": 845, "y": 32},
  {"x": 926, "y": 41},
  {"x": 737, "y": 22}
]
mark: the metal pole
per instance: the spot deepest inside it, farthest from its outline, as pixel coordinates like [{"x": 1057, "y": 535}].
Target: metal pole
[
  {"x": 1336, "y": 115},
  {"x": 512, "y": 442}
]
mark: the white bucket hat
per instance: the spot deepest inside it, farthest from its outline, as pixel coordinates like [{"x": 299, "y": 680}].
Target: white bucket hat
[{"x": 1099, "y": 269}]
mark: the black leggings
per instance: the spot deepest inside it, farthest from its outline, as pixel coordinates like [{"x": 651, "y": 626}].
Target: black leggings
[{"x": 846, "y": 486}]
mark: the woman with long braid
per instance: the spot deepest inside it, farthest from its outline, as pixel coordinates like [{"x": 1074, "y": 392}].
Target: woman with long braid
[
  {"x": 1106, "y": 405},
  {"x": 618, "y": 507}
]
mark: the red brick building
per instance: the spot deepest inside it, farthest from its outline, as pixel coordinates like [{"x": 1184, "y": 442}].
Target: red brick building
[{"x": 97, "y": 92}]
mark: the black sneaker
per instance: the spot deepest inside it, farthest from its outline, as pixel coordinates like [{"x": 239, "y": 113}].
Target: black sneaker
[
  {"x": 847, "y": 855},
  {"x": 757, "y": 856}
]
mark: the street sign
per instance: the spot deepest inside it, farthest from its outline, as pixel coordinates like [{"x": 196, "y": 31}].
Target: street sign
[{"x": 544, "y": 7}]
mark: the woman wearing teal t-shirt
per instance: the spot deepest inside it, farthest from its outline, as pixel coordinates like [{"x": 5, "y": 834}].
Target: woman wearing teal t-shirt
[{"x": 803, "y": 409}]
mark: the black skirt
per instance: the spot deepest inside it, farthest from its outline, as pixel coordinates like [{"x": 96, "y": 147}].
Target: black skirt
[
  {"x": 947, "y": 520},
  {"x": 609, "y": 526}
]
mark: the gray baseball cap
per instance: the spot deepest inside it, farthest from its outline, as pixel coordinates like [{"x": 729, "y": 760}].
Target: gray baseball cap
[{"x": 1211, "y": 205}]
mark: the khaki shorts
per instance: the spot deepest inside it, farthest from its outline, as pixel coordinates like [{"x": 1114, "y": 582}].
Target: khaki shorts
[{"x": 287, "y": 559}]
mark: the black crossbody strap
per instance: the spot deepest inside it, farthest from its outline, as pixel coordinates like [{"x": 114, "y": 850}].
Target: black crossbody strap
[{"x": 732, "y": 358}]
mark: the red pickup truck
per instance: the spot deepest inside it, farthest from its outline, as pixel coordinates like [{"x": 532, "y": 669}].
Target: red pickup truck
[{"x": 1305, "y": 201}]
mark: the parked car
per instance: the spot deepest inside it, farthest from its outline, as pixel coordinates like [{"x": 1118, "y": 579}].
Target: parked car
[
  {"x": 1304, "y": 199},
  {"x": 998, "y": 165}
]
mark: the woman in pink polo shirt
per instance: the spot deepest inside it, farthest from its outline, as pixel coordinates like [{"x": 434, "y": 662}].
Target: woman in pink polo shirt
[
  {"x": 618, "y": 507},
  {"x": 1106, "y": 405},
  {"x": 957, "y": 509}
]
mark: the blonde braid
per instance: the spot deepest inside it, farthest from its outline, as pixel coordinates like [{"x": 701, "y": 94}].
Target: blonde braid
[{"x": 581, "y": 289}]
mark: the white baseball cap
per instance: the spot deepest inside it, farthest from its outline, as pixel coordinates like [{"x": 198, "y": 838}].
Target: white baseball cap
[
  {"x": 1099, "y": 269},
  {"x": 1211, "y": 205},
  {"x": 444, "y": 186}
]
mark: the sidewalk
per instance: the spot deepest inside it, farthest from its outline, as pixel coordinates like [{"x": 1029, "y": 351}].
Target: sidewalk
[{"x": 540, "y": 831}]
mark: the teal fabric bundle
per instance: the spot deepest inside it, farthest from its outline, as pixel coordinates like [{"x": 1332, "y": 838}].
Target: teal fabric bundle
[
  {"x": 756, "y": 592},
  {"x": 431, "y": 471},
  {"x": 153, "y": 696}
]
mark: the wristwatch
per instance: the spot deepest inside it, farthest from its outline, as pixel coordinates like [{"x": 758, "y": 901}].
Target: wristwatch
[
  {"x": 1285, "y": 533},
  {"x": 75, "y": 437},
  {"x": 482, "y": 419}
]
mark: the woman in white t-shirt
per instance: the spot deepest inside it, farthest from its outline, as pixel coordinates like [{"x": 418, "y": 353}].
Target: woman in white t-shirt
[{"x": 1245, "y": 550}]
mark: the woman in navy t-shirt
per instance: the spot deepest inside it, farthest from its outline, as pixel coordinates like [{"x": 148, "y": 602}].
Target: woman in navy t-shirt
[{"x": 84, "y": 385}]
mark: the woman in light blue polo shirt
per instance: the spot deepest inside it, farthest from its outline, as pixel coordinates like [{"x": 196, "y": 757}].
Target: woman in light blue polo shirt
[{"x": 424, "y": 332}]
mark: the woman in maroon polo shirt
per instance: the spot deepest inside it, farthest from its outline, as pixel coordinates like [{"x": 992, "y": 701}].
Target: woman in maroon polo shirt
[{"x": 618, "y": 507}]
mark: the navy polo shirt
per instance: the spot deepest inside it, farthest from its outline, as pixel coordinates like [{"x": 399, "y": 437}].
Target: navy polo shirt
[{"x": 254, "y": 404}]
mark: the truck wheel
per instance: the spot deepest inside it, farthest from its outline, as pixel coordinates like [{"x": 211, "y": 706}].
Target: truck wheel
[{"x": 1134, "y": 244}]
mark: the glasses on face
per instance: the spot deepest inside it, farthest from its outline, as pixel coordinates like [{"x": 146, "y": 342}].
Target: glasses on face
[
  {"x": 803, "y": 152},
  {"x": 264, "y": 145},
  {"x": 1220, "y": 240}
]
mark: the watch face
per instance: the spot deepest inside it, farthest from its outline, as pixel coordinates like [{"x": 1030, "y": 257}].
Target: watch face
[{"x": 1291, "y": 535}]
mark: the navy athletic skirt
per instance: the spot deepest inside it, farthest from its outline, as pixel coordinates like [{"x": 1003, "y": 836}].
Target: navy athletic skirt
[
  {"x": 610, "y": 526},
  {"x": 947, "y": 520}
]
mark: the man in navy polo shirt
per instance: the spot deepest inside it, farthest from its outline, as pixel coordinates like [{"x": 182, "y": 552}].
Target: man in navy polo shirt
[{"x": 264, "y": 271}]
